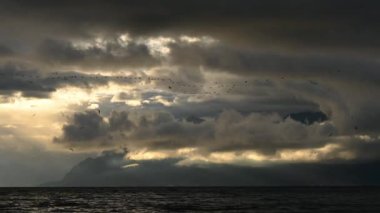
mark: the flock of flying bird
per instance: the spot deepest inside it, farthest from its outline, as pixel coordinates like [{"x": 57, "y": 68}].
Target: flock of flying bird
[{"x": 177, "y": 86}]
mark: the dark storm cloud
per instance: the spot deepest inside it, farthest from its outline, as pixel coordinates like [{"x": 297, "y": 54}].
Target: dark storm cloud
[
  {"x": 211, "y": 108},
  {"x": 86, "y": 127},
  {"x": 342, "y": 85},
  {"x": 112, "y": 55},
  {"x": 38, "y": 84},
  {"x": 5, "y": 51},
  {"x": 350, "y": 25},
  {"x": 12, "y": 81},
  {"x": 322, "y": 24},
  {"x": 159, "y": 130},
  {"x": 111, "y": 169},
  {"x": 326, "y": 67},
  {"x": 153, "y": 129},
  {"x": 60, "y": 51},
  {"x": 120, "y": 121}
]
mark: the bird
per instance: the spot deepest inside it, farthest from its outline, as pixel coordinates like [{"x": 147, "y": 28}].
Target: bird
[{"x": 313, "y": 82}]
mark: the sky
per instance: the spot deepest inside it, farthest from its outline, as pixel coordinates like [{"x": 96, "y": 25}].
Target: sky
[{"x": 197, "y": 92}]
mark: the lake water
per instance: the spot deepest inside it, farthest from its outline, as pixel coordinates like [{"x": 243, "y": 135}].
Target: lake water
[{"x": 192, "y": 199}]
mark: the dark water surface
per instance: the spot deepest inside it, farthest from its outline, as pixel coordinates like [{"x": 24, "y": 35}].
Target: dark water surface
[{"x": 193, "y": 199}]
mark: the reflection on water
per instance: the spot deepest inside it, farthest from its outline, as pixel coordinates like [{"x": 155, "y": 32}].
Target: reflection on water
[{"x": 177, "y": 199}]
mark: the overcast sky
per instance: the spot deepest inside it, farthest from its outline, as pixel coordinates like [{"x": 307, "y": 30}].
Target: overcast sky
[{"x": 189, "y": 87}]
